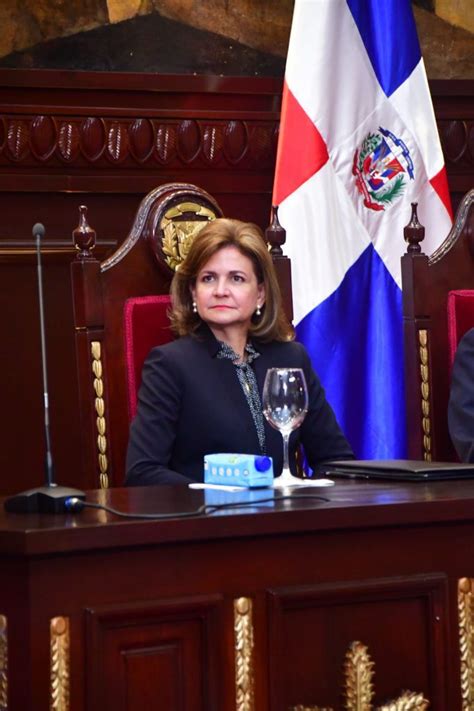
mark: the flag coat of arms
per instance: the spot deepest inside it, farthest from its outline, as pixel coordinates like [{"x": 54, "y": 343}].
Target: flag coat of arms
[{"x": 358, "y": 143}]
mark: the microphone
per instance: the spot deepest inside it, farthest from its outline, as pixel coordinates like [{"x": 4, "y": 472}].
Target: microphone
[{"x": 50, "y": 498}]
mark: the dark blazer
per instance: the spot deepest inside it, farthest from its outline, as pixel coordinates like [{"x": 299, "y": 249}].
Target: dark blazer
[
  {"x": 191, "y": 403},
  {"x": 461, "y": 399}
]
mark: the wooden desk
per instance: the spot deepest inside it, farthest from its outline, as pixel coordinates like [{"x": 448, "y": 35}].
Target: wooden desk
[{"x": 243, "y": 609}]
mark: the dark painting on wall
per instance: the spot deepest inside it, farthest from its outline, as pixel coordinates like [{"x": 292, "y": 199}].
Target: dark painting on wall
[{"x": 148, "y": 43}]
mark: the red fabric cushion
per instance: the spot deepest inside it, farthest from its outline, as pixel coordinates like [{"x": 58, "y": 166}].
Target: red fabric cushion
[
  {"x": 460, "y": 318},
  {"x": 146, "y": 325}
]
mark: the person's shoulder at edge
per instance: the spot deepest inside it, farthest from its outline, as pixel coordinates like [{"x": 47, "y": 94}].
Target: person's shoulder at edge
[
  {"x": 461, "y": 399},
  {"x": 467, "y": 341}
]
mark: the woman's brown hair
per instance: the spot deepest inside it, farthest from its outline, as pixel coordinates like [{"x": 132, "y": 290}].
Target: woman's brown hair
[{"x": 272, "y": 324}]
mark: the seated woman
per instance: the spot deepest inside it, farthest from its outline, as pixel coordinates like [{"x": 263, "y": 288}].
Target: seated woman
[
  {"x": 201, "y": 393},
  {"x": 461, "y": 399}
]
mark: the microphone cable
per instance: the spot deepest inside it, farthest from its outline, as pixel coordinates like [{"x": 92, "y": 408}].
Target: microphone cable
[{"x": 75, "y": 505}]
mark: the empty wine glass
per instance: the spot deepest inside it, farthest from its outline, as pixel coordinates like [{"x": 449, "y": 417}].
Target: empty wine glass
[{"x": 285, "y": 404}]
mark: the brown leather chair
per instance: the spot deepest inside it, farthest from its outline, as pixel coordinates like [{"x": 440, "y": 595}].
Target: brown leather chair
[
  {"x": 143, "y": 265},
  {"x": 426, "y": 284}
]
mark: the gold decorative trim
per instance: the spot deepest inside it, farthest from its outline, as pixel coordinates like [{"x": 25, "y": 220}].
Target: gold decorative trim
[
  {"x": 59, "y": 650},
  {"x": 466, "y": 641},
  {"x": 243, "y": 645},
  {"x": 3, "y": 663},
  {"x": 178, "y": 235},
  {"x": 359, "y": 672},
  {"x": 359, "y": 688},
  {"x": 96, "y": 352},
  {"x": 425, "y": 393}
]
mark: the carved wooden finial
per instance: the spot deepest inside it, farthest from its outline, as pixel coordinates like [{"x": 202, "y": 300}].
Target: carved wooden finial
[
  {"x": 84, "y": 236},
  {"x": 275, "y": 234},
  {"x": 414, "y": 232}
]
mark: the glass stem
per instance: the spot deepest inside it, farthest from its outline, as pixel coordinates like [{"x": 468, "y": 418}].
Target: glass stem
[{"x": 286, "y": 465}]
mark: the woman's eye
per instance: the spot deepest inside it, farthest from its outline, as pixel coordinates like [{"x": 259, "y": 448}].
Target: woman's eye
[
  {"x": 238, "y": 278},
  {"x": 207, "y": 278}
]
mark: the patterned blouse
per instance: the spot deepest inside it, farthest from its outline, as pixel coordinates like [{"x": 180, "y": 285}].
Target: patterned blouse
[{"x": 249, "y": 385}]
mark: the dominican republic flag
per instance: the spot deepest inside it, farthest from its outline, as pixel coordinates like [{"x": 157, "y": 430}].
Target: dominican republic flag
[{"x": 358, "y": 143}]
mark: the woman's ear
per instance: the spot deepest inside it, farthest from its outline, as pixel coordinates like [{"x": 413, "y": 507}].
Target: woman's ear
[{"x": 261, "y": 294}]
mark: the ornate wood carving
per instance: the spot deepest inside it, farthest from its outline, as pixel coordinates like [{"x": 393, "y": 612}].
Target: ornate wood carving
[
  {"x": 60, "y": 675},
  {"x": 148, "y": 142},
  {"x": 359, "y": 688},
  {"x": 178, "y": 234},
  {"x": 457, "y": 140},
  {"x": 244, "y": 663}
]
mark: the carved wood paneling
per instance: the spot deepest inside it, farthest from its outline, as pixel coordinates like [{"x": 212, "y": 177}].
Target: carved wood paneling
[
  {"x": 315, "y": 661},
  {"x": 165, "y": 649}
]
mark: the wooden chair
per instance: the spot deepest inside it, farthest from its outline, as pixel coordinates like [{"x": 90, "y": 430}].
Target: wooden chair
[
  {"x": 120, "y": 308},
  {"x": 429, "y": 337}
]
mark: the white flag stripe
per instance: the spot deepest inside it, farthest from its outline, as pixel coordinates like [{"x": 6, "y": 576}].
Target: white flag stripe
[
  {"x": 321, "y": 210},
  {"x": 314, "y": 70},
  {"x": 419, "y": 117}
]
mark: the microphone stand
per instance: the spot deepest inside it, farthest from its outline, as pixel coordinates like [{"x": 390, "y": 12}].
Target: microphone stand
[{"x": 49, "y": 498}]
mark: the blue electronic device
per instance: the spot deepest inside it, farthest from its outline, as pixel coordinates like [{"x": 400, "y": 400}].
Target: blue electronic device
[{"x": 248, "y": 470}]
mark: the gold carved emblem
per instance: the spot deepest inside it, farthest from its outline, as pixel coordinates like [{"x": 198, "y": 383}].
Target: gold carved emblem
[
  {"x": 244, "y": 643},
  {"x": 60, "y": 644},
  {"x": 178, "y": 233},
  {"x": 359, "y": 688}
]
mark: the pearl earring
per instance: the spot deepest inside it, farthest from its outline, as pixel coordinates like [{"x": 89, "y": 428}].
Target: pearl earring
[
  {"x": 258, "y": 311},
  {"x": 195, "y": 308}
]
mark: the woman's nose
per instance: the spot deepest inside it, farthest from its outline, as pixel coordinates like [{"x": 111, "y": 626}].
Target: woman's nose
[{"x": 221, "y": 286}]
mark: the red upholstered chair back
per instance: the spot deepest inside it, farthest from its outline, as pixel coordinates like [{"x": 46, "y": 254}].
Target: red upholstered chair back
[
  {"x": 433, "y": 322},
  {"x": 146, "y": 325},
  {"x": 460, "y": 318}
]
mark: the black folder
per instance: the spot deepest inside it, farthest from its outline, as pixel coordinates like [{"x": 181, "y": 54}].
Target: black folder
[{"x": 399, "y": 469}]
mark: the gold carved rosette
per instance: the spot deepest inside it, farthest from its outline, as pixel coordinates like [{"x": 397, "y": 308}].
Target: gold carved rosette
[{"x": 359, "y": 687}]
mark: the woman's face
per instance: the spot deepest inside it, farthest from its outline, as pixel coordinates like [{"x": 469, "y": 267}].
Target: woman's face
[{"x": 227, "y": 292}]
